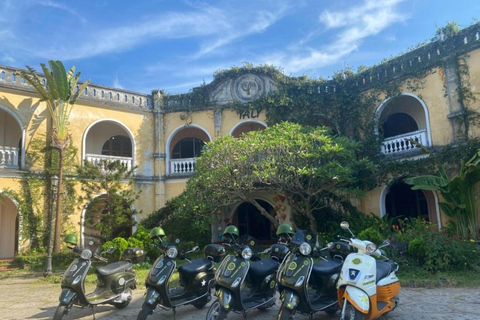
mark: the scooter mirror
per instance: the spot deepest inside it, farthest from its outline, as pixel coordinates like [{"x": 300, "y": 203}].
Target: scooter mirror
[
  {"x": 110, "y": 250},
  {"x": 385, "y": 243},
  {"x": 177, "y": 241},
  {"x": 344, "y": 225},
  {"x": 195, "y": 249}
]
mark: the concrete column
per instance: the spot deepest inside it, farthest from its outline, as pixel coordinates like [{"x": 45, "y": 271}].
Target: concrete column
[
  {"x": 159, "y": 148},
  {"x": 217, "y": 120},
  {"x": 457, "y": 111}
]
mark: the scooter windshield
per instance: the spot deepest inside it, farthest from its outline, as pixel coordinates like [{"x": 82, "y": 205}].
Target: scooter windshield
[{"x": 301, "y": 236}]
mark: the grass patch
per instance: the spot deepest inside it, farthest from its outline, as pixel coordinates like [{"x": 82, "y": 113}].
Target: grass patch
[{"x": 417, "y": 277}]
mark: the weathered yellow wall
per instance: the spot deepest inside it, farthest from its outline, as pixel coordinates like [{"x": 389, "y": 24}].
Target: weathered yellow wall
[{"x": 473, "y": 62}]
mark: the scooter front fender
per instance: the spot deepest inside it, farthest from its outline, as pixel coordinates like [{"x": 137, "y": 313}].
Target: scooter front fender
[
  {"x": 358, "y": 298},
  {"x": 67, "y": 296},
  {"x": 151, "y": 296},
  {"x": 290, "y": 299},
  {"x": 225, "y": 298}
]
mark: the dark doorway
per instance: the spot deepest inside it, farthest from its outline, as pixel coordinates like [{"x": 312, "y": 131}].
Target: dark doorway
[
  {"x": 403, "y": 202},
  {"x": 250, "y": 221},
  {"x": 397, "y": 124}
]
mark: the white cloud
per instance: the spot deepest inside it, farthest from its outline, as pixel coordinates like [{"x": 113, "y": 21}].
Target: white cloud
[
  {"x": 352, "y": 26},
  {"x": 117, "y": 84},
  {"x": 61, "y": 6}
]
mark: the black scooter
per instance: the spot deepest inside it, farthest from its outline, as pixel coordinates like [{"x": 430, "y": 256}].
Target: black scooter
[
  {"x": 245, "y": 281},
  {"x": 307, "y": 286},
  {"x": 115, "y": 281},
  {"x": 196, "y": 279}
]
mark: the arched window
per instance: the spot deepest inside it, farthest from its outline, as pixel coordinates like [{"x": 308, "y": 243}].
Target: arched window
[
  {"x": 187, "y": 148},
  {"x": 119, "y": 146}
]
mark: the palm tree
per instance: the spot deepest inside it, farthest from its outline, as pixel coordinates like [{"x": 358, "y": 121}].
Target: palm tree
[{"x": 60, "y": 94}]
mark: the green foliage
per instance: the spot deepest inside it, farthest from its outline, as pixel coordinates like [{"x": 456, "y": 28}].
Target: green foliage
[
  {"x": 458, "y": 192},
  {"x": 311, "y": 167},
  {"x": 111, "y": 213},
  {"x": 141, "y": 239},
  {"x": 371, "y": 234},
  {"x": 190, "y": 227},
  {"x": 119, "y": 245},
  {"x": 417, "y": 250}
]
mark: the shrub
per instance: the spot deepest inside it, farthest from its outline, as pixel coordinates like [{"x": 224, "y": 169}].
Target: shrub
[
  {"x": 371, "y": 234},
  {"x": 119, "y": 245},
  {"x": 417, "y": 250}
]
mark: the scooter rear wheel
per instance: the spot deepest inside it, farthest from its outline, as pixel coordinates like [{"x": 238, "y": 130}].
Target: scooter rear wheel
[
  {"x": 216, "y": 312},
  {"x": 353, "y": 314},
  {"x": 125, "y": 303},
  {"x": 144, "y": 312},
  {"x": 60, "y": 312}
]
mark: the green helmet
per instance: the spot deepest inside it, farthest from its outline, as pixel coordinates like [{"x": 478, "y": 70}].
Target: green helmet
[
  {"x": 230, "y": 232},
  {"x": 71, "y": 238},
  {"x": 285, "y": 229},
  {"x": 157, "y": 232}
]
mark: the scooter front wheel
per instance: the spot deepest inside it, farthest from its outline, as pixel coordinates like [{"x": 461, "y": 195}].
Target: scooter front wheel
[
  {"x": 145, "y": 312},
  {"x": 216, "y": 312},
  {"x": 353, "y": 314},
  {"x": 285, "y": 314},
  {"x": 60, "y": 312}
]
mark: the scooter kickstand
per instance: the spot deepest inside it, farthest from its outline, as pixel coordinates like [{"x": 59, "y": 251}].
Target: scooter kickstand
[
  {"x": 174, "y": 312},
  {"x": 93, "y": 312}
]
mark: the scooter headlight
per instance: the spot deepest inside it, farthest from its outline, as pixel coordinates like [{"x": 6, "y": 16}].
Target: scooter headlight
[
  {"x": 247, "y": 253},
  {"x": 305, "y": 249},
  {"x": 86, "y": 254},
  {"x": 370, "y": 248},
  {"x": 172, "y": 252}
]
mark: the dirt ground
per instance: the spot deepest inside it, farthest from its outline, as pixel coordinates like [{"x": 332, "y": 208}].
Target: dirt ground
[{"x": 29, "y": 297}]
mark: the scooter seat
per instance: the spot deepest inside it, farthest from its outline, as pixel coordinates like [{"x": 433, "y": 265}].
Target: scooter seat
[
  {"x": 325, "y": 268},
  {"x": 112, "y": 268},
  {"x": 196, "y": 266},
  {"x": 384, "y": 268},
  {"x": 264, "y": 267}
]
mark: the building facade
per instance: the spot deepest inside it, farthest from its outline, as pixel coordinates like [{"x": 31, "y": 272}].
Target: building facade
[{"x": 161, "y": 135}]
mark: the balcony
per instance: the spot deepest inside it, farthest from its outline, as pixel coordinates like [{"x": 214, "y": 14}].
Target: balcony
[
  {"x": 9, "y": 157},
  {"x": 184, "y": 166},
  {"x": 401, "y": 144},
  {"x": 99, "y": 159}
]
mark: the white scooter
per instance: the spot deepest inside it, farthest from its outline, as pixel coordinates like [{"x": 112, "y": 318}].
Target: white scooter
[{"x": 367, "y": 288}]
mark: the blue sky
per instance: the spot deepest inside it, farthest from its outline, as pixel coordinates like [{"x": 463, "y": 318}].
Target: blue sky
[{"x": 176, "y": 45}]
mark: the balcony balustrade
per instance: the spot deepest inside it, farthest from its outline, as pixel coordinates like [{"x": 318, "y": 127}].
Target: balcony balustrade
[
  {"x": 402, "y": 144},
  {"x": 182, "y": 166},
  {"x": 99, "y": 159},
  {"x": 9, "y": 157}
]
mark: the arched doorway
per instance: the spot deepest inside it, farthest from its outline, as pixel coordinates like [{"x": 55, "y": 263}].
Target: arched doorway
[
  {"x": 9, "y": 225},
  {"x": 97, "y": 212},
  {"x": 250, "y": 221},
  {"x": 402, "y": 202}
]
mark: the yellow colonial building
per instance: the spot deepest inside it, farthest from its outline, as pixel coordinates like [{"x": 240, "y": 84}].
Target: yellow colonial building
[{"x": 161, "y": 135}]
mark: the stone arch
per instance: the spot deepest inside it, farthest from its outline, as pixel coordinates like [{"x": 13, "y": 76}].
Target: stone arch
[
  {"x": 16, "y": 142},
  {"x": 429, "y": 200},
  {"x": 191, "y": 130},
  {"x": 10, "y": 226},
  {"x": 415, "y": 124},
  {"x": 246, "y": 126},
  {"x": 85, "y": 231},
  {"x": 94, "y": 137}
]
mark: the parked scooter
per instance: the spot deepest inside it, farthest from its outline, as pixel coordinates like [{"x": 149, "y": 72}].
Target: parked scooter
[
  {"x": 244, "y": 280},
  {"x": 115, "y": 281},
  {"x": 307, "y": 286},
  {"x": 368, "y": 287},
  {"x": 196, "y": 277}
]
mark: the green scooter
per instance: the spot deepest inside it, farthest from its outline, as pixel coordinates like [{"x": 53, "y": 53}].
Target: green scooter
[{"x": 115, "y": 281}]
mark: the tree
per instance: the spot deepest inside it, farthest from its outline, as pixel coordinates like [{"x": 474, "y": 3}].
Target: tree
[
  {"x": 114, "y": 208},
  {"x": 305, "y": 164},
  {"x": 60, "y": 94},
  {"x": 458, "y": 193}
]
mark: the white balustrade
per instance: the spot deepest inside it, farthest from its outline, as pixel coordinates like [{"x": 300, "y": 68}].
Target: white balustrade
[
  {"x": 402, "y": 144},
  {"x": 99, "y": 159},
  {"x": 182, "y": 166},
  {"x": 8, "y": 157}
]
